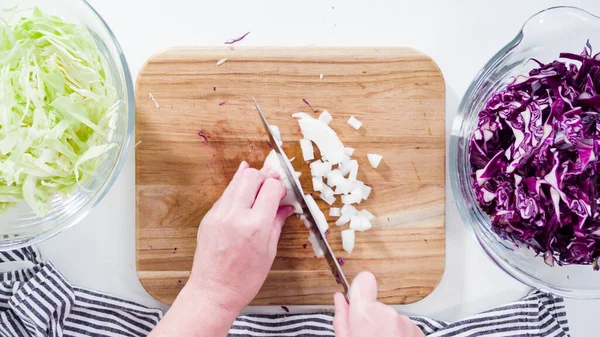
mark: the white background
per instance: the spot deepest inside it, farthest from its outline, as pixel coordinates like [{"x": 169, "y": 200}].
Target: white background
[{"x": 460, "y": 36}]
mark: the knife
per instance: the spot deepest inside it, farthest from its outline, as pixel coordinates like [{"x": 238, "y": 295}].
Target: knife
[{"x": 340, "y": 277}]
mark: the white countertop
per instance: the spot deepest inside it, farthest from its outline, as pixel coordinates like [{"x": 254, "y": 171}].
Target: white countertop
[{"x": 459, "y": 35}]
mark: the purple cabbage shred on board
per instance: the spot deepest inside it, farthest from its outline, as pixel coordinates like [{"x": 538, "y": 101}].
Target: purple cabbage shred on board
[
  {"x": 286, "y": 309},
  {"x": 341, "y": 261},
  {"x": 201, "y": 134},
  {"x": 535, "y": 158},
  {"x": 310, "y": 106},
  {"x": 238, "y": 39}
]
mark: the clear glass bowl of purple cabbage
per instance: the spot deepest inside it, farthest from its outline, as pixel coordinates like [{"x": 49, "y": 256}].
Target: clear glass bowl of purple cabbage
[{"x": 524, "y": 154}]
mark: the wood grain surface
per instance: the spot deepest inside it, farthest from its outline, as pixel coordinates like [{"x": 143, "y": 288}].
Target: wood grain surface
[{"x": 399, "y": 95}]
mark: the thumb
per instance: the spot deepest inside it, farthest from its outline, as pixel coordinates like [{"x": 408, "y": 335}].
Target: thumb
[
  {"x": 341, "y": 318},
  {"x": 364, "y": 288}
]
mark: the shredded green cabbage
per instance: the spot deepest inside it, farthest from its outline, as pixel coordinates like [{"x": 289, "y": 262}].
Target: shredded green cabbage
[{"x": 57, "y": 108}]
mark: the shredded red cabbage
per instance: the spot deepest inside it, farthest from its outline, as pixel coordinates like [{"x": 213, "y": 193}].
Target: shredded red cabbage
[
  {"x": 201, "y": 134},
  {"x": 341, "y": 261},
  {"x": 232, "y": 41},
  {"x": 535, "y": 158},
  {"x": 214, "y": 88},
  {"x": 222, "y": 103},
  {"x": 304, "y": 246},
  {"x": 310, "y": 106},
  {"x": 285, "y": 308}
]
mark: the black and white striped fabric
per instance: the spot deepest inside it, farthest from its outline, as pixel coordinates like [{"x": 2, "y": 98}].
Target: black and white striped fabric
[
  {"x": 537, "y": 314},
  {"x": 39, "y": 302}
]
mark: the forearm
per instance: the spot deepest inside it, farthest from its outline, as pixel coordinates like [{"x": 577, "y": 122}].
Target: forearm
[{"x": 194, "y": 315}]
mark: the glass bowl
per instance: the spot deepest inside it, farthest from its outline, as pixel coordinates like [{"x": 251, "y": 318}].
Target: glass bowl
[
  {"x": 19, "y": 226},
  {"x": 543, "y": 37}
]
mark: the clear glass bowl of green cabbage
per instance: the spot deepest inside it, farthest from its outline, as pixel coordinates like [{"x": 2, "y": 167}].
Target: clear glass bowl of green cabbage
[{"x": 66, "y": 116}]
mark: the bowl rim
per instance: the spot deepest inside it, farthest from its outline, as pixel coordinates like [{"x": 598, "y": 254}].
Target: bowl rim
[
  {"x": 477, "y": 232},
  {"x": 118, "y": 164}
]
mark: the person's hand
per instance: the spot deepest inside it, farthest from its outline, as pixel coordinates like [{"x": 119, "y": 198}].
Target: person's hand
[
  {"x": 237, "y": 239},
  {"x": 365, "y": 316}
]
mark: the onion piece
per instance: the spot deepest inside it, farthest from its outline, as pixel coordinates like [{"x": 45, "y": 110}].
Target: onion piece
[
  {"x": 317, "y": 184},
  {"x": 348, "y": 238},
  {"x": 374, "y": 159},
  {"x": 349, "y": 210},
  {"x": 342, "y": 220},
  {"x": 353, "y": 172},
  {"x": 351, "y": 198},
  {"x": 319, "y": 217},
  {"x": 322, "y": 135},
  {"x": 327, "y": 191},
  {"x": 334, "y": 211},
  {"x": 221, "y": 61},
  {"x": 366, "y": 214},
  {"x": 359, "y": 223},
  {"x": 349, "y": 151},
  {"x": 366, "y": 192},
  {"x": 276, "y": 134},
  {"x": 298, "y": 174},
  {"x": 336, "y": 156},
  {"x": 329, "y": 199},
  {"x": 314, "y": 242},
  {"x": 274, "y": 163},
  {"x": 308, "y": 152},
  {"x": 317, "y": 169},
  {"x": 347, "y": 168},
  {"x": 354, "y": 123},
  {"x": 334, "y": 178},
  {"x": 325, "y": 117},
  {"x": 302, "y": 115}
]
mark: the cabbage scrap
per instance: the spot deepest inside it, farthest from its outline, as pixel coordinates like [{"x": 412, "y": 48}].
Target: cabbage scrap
[
  {"x": 57, "y": 108},
  {"x": 535, "y": 156}
]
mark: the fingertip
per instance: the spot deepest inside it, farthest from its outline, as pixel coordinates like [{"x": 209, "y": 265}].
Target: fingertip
[{"x": 364, "y": 287}]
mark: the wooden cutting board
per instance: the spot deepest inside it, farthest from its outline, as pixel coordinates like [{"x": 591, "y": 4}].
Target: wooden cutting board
[{"x": 399, "y": 95}]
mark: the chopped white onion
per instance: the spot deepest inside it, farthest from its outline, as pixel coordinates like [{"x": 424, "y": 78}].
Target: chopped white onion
[
  {"x": 317, "y": 169},
  {"x": 327, "y": 167},
  {"x": 298, "y": 174},
  {"x": 354, "y": 123},
  {"x": 320, "y": 134},
  {"x": 348, "y": 238},
  {"x": 365, "y": 224},
  {"x": 336, "y": 156},
  {"x": 349, "y": 166},
  {"x": 343, "y": 187},
  {"x": 366, "y": 214},
  {"x": 319, "y": 217},
  {"x": 314, "y": 242},
  {"x": 274, "y": 163},
  {"x": 349, "y": 151},
  {"x": 292, "y": 159},
  {"x": 355, "y": 223},
  {"x": 308, "y": 152},
  {"x": 221, "y": 61},
  {"x": 359, "y": 223},
  {"x": 325, "y": 117},
  {"x": 335, "y": 177},
  {"x": 342, "y": 220},
  {"x": 334, "y": 211},
  {"x": 366, "y": 192},
  {"x": 327, "y": 191},
  {"x": 374, "y": 159},
  {"x": 351, "y": 198},
  {"x": 329, "y": 199},
  {"x": 301, "y": 115},
  {"x": 349, "y": 210},
  {"x": 353, "y": 172},
  {"x": 317, "y": 184},
  {"x": 320, "y": 76}
]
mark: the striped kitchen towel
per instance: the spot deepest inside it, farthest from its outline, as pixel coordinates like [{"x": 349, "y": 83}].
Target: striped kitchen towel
[
  {"x": 39, "y": 302},
  {"x": 536, "y": 315}
]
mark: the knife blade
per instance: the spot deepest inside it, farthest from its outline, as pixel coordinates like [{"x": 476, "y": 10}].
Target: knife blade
[{"x": 298, "y": 192}]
